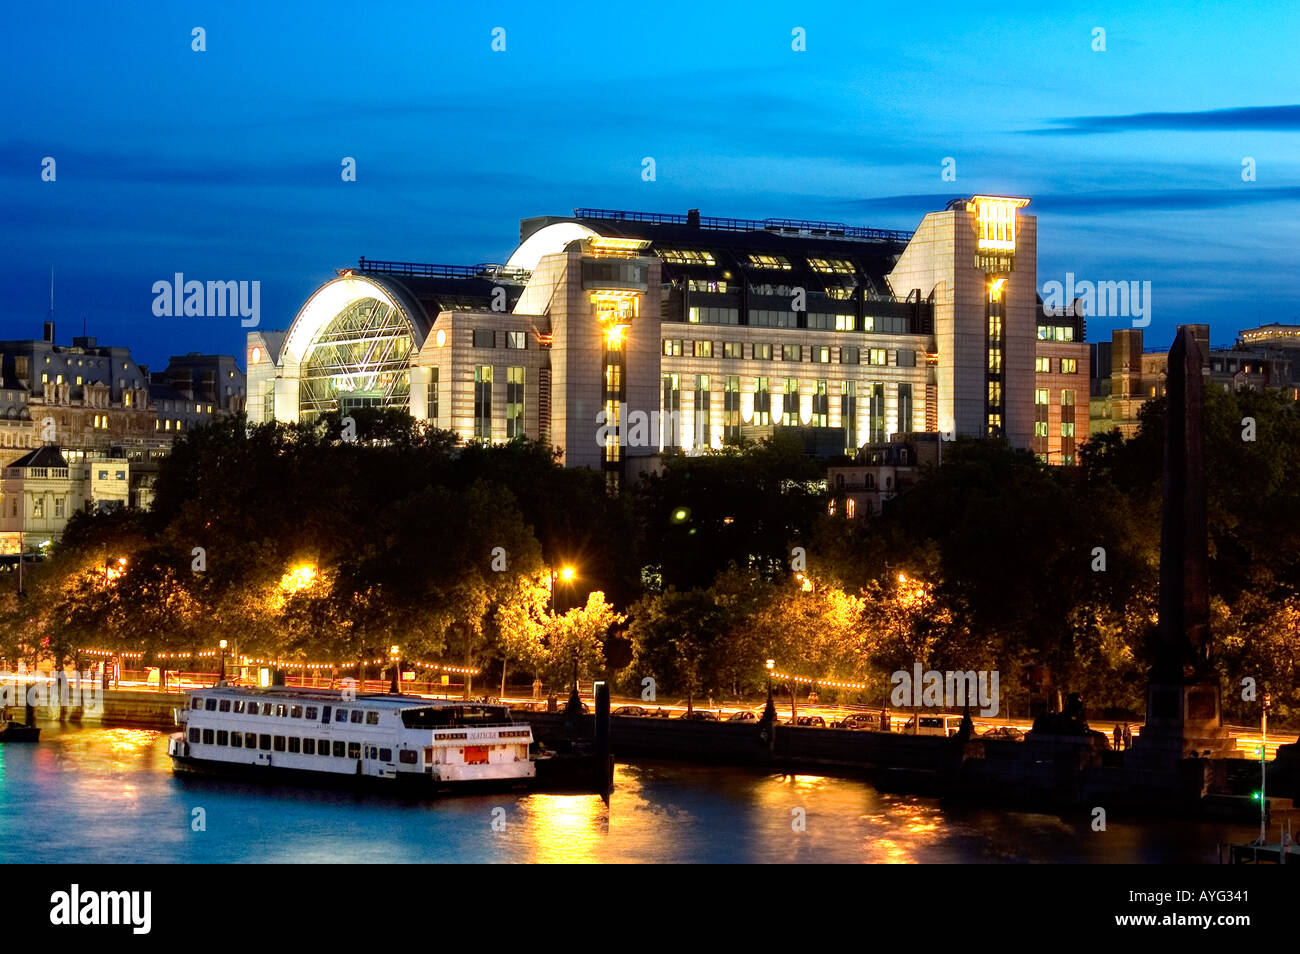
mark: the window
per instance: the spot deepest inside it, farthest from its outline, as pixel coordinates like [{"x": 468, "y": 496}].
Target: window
[
  {"x": 702, "y": 410},
  {"x": 514, "y": 402},
  {"x": 210, "y": 705},
  {"x": 831, "y": 266},
  {"x": 38, "y": 508},
  {"x": 876, "y": 412},
  {"x": 207, "y": 736},
  {"x": 731, "y": 409},
  {"x": 877, "y": 356},
  {"x": 821, "y": 355},
  {"x": 706, "y": 285},
  {"x": 408, "y": 756},
  {"x": 295, "y": 744},
  {"x": 1067, "y": 428},
  {"x": 905, "y": 422},
  {"x": 733, "y": 349},
  {"x": 846, "y": 322},
  {"x": 385, "y": 755},
  {"x": 237, "y": 740},
  {"x": 223, "y": 737},
  {"x": 849, "y": 355},
  {"x": 372, "y": 718},
  {"x": 356, "y": 717},
  {"x": 684, "y": 256},
  {"x": 354, "y": 750},
  {"x": 1069, "y": 366},
  {"x": 791, "y": 352},
  {"x": 849, "y": 414},
  {"x": 239, "y": 705},
  {"x": 483, "y": 402},
  {"x": 670, "y": 419},
  {"x": 1040, "y": 395},
  {"x": 433, "y": 395},
  {"x": 341, "y": 715},
  {"x": 1040, "y": 428},
  {"x": 225, "y": 706},
  {"x": 779, "y": 262},
  {"x": 820, "y": 405},
  {"x": 264, "y": 743},
  {"x": 762, "y": 403},
  {"x": 279, "y": 743},
  {"x": 1043, "y": 365},
  {"x": 1053, "y": 333},
  {"x": 484, "y": 338},
  {"x": 250, "y": 740},
  {"x": 295, "y": 712},
  {"x": 340, "y": 749},
  {"x": 308, "y": 746},
  {"x": 763, "y": 352},
  {"x": 323, "y": 747},
  {"x": 311, "y": 713},
  {"x": 1067, "y": 398},
  {"x": 713, "y": 316},
  {"x": 517, "y": 340},
  {"x": 905, "y": 358},
  {"x": 673, "y": 347},
  {"x": 703, "y": 349},
  {"x": 281, "y": 711},
  {"x": 58, "y": 506},
  {"x": 790, "y": 403},
  {"x": 194, "y": 735}
]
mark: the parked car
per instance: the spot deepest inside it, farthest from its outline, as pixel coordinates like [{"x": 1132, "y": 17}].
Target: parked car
[
  {"x": 858, "y": 720},
  {"x": 700, "y": 715},
  {"x": 1005, "y": 732},
  {"x": 933, "y": 725},
  {"x": 634, "y": 711},
  {"x": 811, "y": 722},
  {"x": 743, "y": 716}
]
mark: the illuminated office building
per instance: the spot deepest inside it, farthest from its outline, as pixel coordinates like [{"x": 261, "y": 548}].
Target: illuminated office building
[{"x": 616, "y": 336}]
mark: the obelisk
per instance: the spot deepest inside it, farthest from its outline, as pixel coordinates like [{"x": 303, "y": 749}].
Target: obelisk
[{"x": 1183, "y": 711}]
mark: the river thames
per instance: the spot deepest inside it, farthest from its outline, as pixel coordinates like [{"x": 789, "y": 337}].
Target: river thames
[{"x": 108, "y": 796}]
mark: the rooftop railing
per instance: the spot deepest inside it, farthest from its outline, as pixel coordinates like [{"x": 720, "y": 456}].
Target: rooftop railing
[
  {"x": 490, "y": 270},
  {"x": 801, "y": 226}
]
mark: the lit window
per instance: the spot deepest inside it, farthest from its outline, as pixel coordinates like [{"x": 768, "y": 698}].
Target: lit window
[
  {"x": 703, "y": 349},
  {"x": 673, "y": 347},
  {"x": 831, "y": 266},
  {"x": 684, "y": 256},
  {"x": 1040, "y": 396},
  {"x": 732, "y": 349},
  {"x": 1067, "y": 428},
  {"x": 876, "y": 356},
  {"x": 1067, "y": 398},
  {"x": 770, "y": 261},
  {"x": 1043, "y": 365},
  {"x": 1069, "y": 366}
]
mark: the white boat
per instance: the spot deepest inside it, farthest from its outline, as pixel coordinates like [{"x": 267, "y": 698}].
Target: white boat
[{"x": 324, "y": 737}]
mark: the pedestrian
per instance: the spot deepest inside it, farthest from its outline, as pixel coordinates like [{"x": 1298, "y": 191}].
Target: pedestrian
[
  {"x": 1118, "y": 736},
  {"x": 1128, "y": 736},
  {"x": 884, "y": 720}
]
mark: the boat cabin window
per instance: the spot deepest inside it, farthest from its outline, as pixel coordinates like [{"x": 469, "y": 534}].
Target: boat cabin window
[
  {"x": 407, "y": 756},
  {"x": 239, "y": 705},
  {"x": 340, "y": 749},
  {"x": 250, "y": 740},
  {"x": 308, "y": 746},
  {"x": 385, "y": 755},
  {"x": 295, "y": 712},
  {"x": 264, "y": 742},
  {"x": 282, "y": 711},
  {"x": 295, "y": 744},
  {"x": 196, "y": 703},
  {"x": 311, "y": 712},
  {"x": 323, "y": 747},
  {"x": 194, "y": 735},
  {"x": 225, "y": 706},
  {"x": 341, "y": 715},
  {"x": 443, "y": 716},
  {"x": 210, "y": 705},
  {"x": 354, "y": 750},
  {"x": 223, "y": 737},
  {"x": 357, "y": 716},
  {"x": 237, "y": 740},
  {"x": 279, "y": 743},
  {"x": 325, "y": 714},
  {"x": 372, "y": 718},
  {"x": 207, "y": 736}
]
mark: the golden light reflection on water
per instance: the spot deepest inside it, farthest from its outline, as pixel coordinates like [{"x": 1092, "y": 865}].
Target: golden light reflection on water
[{"x": 564, "y": 829}]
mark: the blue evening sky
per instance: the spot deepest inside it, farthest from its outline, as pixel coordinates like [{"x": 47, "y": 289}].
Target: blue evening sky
[{"x": 225, "y": 164}]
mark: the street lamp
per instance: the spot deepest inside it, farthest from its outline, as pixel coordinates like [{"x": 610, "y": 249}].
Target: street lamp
[
  {"x": 222, "y": 676},
  {"x": 565, "y": 574},
  {"x": 395, "y": 654},
  {"x": 769, "y": 710}
]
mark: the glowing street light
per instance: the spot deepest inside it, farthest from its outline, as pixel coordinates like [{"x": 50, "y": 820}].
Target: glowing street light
[
  {"x": 395, "y": 656},
  {"x": 298, "y": 578},
  {"x": 222, "y": 675}
]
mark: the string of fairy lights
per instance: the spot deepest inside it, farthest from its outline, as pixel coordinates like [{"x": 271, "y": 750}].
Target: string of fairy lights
[
  {"x": 824, "y": 683},
  {"x": 290, "y": 664}
]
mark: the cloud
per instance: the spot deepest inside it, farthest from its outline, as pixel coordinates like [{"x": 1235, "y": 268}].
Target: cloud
[{"x": 1277, "y": 118}]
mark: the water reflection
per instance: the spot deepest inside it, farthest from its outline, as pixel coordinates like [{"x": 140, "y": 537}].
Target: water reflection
[{"x": 115, "y": 800}]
